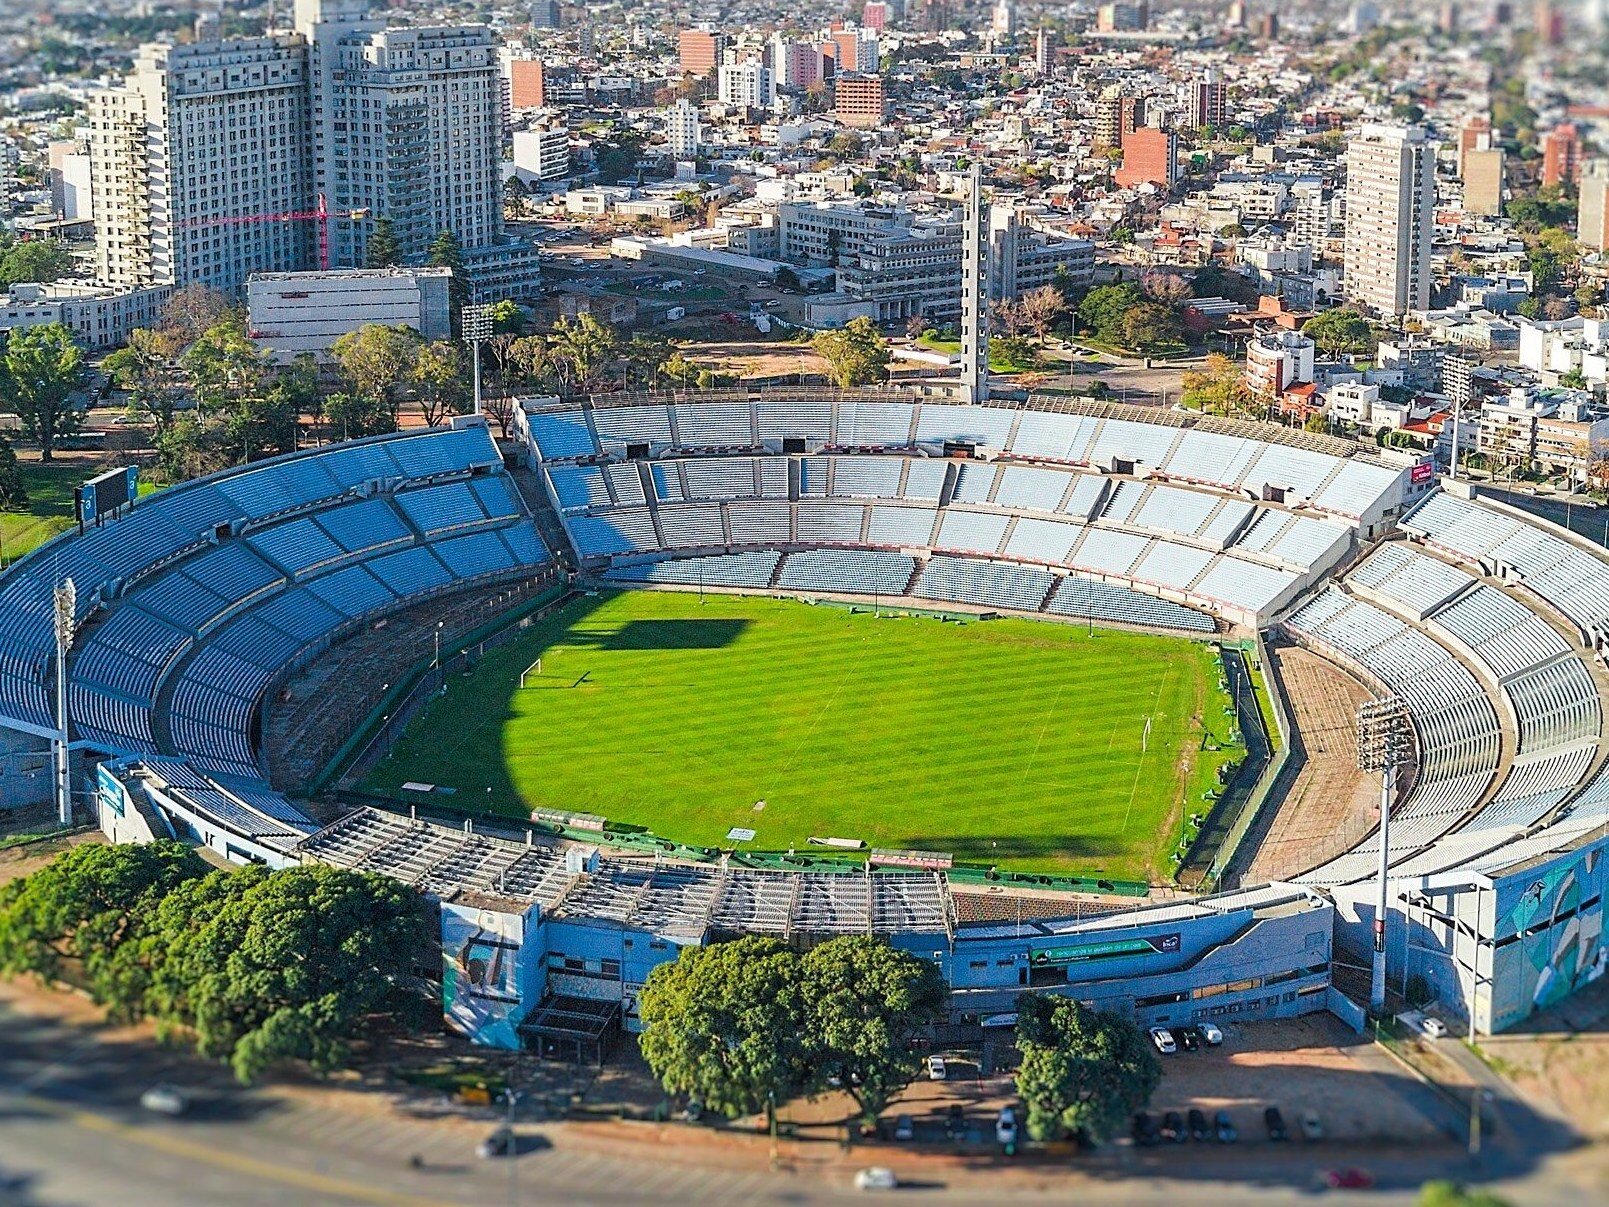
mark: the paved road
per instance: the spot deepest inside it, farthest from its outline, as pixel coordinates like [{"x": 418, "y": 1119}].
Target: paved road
[{"x": 71, "y": 1132}]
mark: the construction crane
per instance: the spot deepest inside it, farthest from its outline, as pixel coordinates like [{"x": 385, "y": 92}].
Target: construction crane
[{"x": 322, "y": 216}]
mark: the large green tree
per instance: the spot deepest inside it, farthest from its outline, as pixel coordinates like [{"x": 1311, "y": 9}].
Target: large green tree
[
  {"x": 726, "y": 1024},
  {"x": 439, "y": 381},
  {"x": 856, "y": 353},
  {"x": 382, "y": 249},
  {"x": 1081, "y": 1071},
  {"x": 352, "y": 415},
  {"x": 79, "y": 914},
  {"x": 377, "y": 361},
  {"x": 37, "y": 260},
  {"x": 865, "y": 1001},
  {"x": 1103, "y": 308},
  {"x": 41, "y": 370},
  {"x": 13, "y": 490},
  {"x": 147, "y": 367},
  {"x": 1340, "y": 332},
  {"x": 263, "y": 968}
]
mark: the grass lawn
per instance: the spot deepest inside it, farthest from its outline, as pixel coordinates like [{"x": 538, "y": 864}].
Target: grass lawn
[
  {"x": 50, "y": 505},
  {"x": 1013, "y": 742},
  {"x": 997, "y": 362}
]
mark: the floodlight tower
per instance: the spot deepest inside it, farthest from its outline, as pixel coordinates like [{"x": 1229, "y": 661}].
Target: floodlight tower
[
  {"x": 477, "y": 324},
  {"x": 1384, "y": 738},
  {"x": 66, "y": 601}
]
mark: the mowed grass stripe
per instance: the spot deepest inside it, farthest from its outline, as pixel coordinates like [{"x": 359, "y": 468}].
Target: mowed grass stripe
[{"x": 1012, "y": 742}]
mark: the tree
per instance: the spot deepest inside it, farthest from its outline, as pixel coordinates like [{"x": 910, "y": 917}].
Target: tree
[
  {"x": 377, "y": 360},
  {"x": 1340, "y": 332},
  {"x": 382, "y": 249},
  {"x": 1165, "y": 288},
  {"x": 1148, "y": 326},
  {"x": 437, "y": 377},
  {"x": 865, "y": 1001},
  {"x": 1007, "y": 318},
  {"x": 1451, "y": 1194},
  {"x": 1103, "y": 308},
  {"x": 147, "y": 366},
  {"x": 357, "y": 415},
  {"x": 1081, "y": 1071},
  {"x": 225, "y": 365},
  {"x": 1217, "y": 388},
  {"x": 507, "y": 319},
  {"x": 915, "y": 326},
  {"x": 856, "y": 353},
  {"x": 13, "y": 490},
  {"x": 261, "y": 967},
  {"x": 78, "y": 912},
  {"x": 726, "y": 1024},
  {"x": 43, "y": 368},
  {"x": 1042, "y": 309},
  {"x": 445, "y": 251},
  {"x": 36, "y": 260},
  {"x": 193, "y": 311}
]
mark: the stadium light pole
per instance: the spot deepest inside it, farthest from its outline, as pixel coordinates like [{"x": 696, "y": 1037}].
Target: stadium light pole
[
  {"x": 66, "y": 611},
  {"x": 1383, "y": 736},
  {"x": 477, "y": 325}
]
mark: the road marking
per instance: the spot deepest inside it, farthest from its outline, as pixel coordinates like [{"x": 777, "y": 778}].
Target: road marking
[{"x": 173, "y": 1146}]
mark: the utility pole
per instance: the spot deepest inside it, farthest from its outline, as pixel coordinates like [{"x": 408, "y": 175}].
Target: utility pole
[
  {"x": 66, "y": 600},
  {"x": 1384, "y": 734}
]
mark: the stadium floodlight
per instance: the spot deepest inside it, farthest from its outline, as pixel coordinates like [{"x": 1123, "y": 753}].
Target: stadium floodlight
[
  {"x": 1385, "y": 735},
  {"x": 66, "y": 614},
  {"x": 476, "y": 321}
]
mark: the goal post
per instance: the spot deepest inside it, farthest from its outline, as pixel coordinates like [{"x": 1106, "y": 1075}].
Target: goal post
[{"x": 534, "y": 668}]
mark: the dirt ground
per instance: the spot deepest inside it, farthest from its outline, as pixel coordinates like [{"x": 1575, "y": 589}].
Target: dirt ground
[{"x": 1560, "y": 1059}]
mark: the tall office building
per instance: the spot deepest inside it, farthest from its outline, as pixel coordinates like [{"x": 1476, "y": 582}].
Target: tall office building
[
  {"x": 1561, "y": 155},
  {"x": 1390, "y": 218},
  {"x": 195, "y": 139},
  {"x": 1593, "y": 214},
  {"x": 698, "y": 51},
  {"x": 681, "y": 129},
  {"x": 1207, "y": 100},
  {"x": 198, "y": 150},
  {"x": 405, "y": 125},
  {"x": 545, "y": 14},
  {"x": 975, "y": 292}
]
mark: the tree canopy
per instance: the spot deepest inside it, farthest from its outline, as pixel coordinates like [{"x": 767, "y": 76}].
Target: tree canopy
[
  {"x": 1103, "y": 308},
  {"x": 856, "y": 353},
  {"x": 13, "y": 490},
  {"x": 1340, "y": 332},
  {"x": 382, "y": 249},
  {"x": 35, "y": 260},
  {"x": 40, "y": 370},
  {"x": 1082, "y": 1072}
]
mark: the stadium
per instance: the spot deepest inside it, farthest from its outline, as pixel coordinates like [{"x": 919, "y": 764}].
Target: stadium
[{"x": 935, "y": 638}]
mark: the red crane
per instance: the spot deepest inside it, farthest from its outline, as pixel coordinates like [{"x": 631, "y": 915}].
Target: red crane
[{"x": 322, "y": 216}]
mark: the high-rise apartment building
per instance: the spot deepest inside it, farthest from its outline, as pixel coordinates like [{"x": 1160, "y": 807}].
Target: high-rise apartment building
[
  {"x": 205, "y": 148},
  {"x": 1207, "y": 100},
  {"x": 1150, "y": 156},
  {"x": 1044, "y": 52},
  {"x": 1390, "y": 218},
  {"x": 1117, "y": 115},
  {"x": 681, "y": 129},
  {"x": 1474, "y": 135},
  {"x": 875, "y": 15},
  {"x": 527, "y": 85},
  {"x": 1593, "y": 215},
  {"x": 1123, "y": 18},
  {"x": 748, "y": 85},
  {"x": 859, "y": 100},
  {"x": 1483, "y": 181},
  {"x": 198, "y": 138},
  {"x": 699, "y": 51},
  {"x": 793, "y": 64},
  {"x": 1003, "y": 19},
  {"x": 1561, "y": 155}
]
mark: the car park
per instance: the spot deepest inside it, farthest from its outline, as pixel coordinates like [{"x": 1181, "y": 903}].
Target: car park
[
  {"x": 165, "y": 1100},
  {"x": 876, "y": 1177},
  {"x": 935, "y": 1068},
  {"x": 1199, "y": 1130},
  {"x": 1186, "y": 1038},
  {"x": 1224, "y": 1128},
  {"x": 1274, "y": 1122},
  {"x": 1210, "y": 1033},
  {"x": 1163, "y": 1041}
]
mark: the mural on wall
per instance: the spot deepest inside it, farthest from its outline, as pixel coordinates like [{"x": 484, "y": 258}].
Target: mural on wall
[
  {"x": 481, "y": 973},
  {"x": 1555, "y": 915}
]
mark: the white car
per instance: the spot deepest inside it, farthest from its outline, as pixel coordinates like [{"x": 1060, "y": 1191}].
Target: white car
[
  {"x": 1163, "y": 1039},
  {"x": 935, "y": 1068},
  {"x": 1005, "y": 1127},
  {"x": 1433, "y": 1028},
  {"x": 165, "y": 1100},
  {"x": 1210, "y": 1033},
  {"x": 877, "y": 1177}
]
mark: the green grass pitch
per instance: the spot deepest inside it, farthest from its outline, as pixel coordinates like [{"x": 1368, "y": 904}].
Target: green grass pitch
[{"x": 1010, "y": 742}]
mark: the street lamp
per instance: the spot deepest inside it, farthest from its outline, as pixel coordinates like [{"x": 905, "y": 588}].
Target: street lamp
[
  {"x": 1384, "y": 735},
  {"x": 476, "y": 321}
]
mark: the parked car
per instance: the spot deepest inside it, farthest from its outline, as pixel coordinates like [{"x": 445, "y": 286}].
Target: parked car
[
  {"x": 1224, "y": 1127},
  {"x": 692, "y": 1112},
  {"x": 1348, "y": 1179},
  {"x": 1199, "y": 1131},
  {"x": 1186, "y": 1038},
  {"x": 876, "y": 1177},
  {"x": 1312, "y": 1128},
  {"x": 1005, "y": 1126},
  {"x": 935, "y": 1068},
  {"x": 904, "y": 1129},
  {"x": 1210, "y": 1033},
  {"x": 955, "y": 1121},
  {"x": 500, "y": 1143},
  {"x": 1433, "y": 1027},
  {"x": 1275, "y": 1123},
  {"x": 1163, "y": 1041},
  {"x": 1144, "y": 1129},
  {"x": 165, "y": 1100},
  {"x": 1173, "y": 1128}
]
